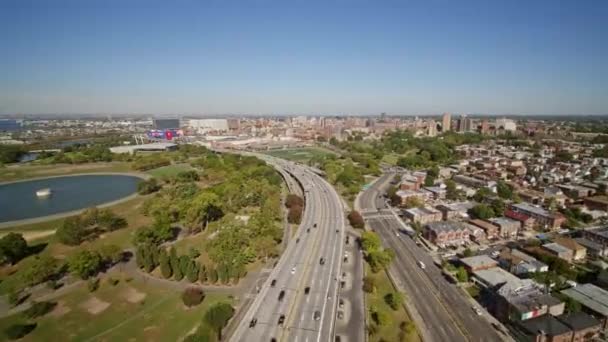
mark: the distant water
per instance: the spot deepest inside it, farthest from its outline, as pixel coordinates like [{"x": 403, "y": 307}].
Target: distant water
[{"x": 19, "y": 201}]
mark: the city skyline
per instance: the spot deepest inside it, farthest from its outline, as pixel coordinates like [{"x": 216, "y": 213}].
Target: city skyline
[{"x": 313, "y": 59}]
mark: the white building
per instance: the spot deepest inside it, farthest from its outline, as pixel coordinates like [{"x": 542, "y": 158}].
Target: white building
[
  {"x": 208, "y": 125},
  {"x": 506, "y": 124}
]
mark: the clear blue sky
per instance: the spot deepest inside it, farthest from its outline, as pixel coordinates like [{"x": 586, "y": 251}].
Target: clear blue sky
[{"x": 284, "y": 57}]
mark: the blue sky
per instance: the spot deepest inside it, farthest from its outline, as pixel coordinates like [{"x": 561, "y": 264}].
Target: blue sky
[{"x": 292, "y": 57}]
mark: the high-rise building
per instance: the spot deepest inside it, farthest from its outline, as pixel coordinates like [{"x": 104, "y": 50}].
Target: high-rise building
[
  {"x": 485, "y": 126},
  {"x": 468, "y": 124},
  {"x": 506, "y": 124},
  {"x": 431, "y": 128},
  {"x": 446, "y": 122}
]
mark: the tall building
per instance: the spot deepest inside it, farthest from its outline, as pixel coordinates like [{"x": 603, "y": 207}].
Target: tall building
[
  {"x": 506, "y": 124},
  {"x": 485, "y": 126},
  {"x": 431, "y": 127},
  {"x": 468, "y": 124},
  {"x": 446, "y": 122}
]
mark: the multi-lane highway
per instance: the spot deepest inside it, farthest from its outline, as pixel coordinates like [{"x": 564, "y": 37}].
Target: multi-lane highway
[
  {"x": 444, "y": 314},
  {"x": 298, "y": 302}
]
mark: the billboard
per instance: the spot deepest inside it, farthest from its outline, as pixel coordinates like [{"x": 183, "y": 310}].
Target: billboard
[{"x": 166, "y": 134}]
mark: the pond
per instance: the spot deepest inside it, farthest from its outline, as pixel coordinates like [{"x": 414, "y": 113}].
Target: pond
[{"x": 19, "y": 200}]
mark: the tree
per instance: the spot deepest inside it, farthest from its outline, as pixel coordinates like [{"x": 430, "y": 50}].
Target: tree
[
  {"x": 156, "y": 234},
  {"x": 380, "y": 317},
  {"x": 202, "y": 274},
  {"x": 71, "y": 232},
  {"x": 370, "y": 241},
  {"x": 193, "y": 270},
  {"x": 148, "y": 186},
  {"x": 482, "y": 211},
  {"x": 39, "y": 270},
  {"x": 294, "y": 215},
  {"x": 111, "y": 253},
  {"x": 174, "y": 261},
  {"x": 18, "y": 330},
  {"x": 203, "y": 208},
  {"x": 13, "y": 248},
  {"x": 414, "y": 202},
  {"x": 498, "y": 206},
  {"x": 452, "y": 192},
  {"x": 356, "y": 220},
  {"x": 85, "y": 263},
  {"x": 213, "y": 276},
  {"x": 467, "y": 253},
  {"x": 482, "y": 194},
  {"x": 369, "y": 284},
  {"x": 192, "y": 296},
  {"x": 379, "y": 259},
  {"x": 293, "y": 200},
  {"x": 394, "y": 300},
  {"x": 38, "y": 309},
  {"x": 217, "y": 316},
  {"x": 184, "y": 264},
  {"x": 462, "y": 275},
  {"x": 109, "y": 222},
  {"x": 504, "y": 190},
  {"x": 165, "y": 264},
  {"x": 429, "y": 180}
]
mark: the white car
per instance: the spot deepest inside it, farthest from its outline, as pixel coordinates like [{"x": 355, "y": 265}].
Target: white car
[
  {"x": 477, "y": 311},
  {"x": 293, "y": 270},
  {"x": 421, "y": 264}
]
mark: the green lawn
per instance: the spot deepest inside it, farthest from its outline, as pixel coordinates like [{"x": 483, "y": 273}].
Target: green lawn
[
  {"x": 160, "y": 316},
  {"x": 300, "y": 154},
  {"x": 389, "y": 331},
  {"x": 24, "y": 171},
  {"x": 170, "y": 170}
]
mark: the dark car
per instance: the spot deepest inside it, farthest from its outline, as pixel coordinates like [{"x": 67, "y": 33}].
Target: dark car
[
  {"x": 253, "y": 322},
  {"x": 322, "y": 261},
  {"x": 314, "y": 225},
  {"x": 281, "y": 320},
  {"x": 308, "y": 230},
  {"x": 317, "y": 315},
  {"x": 273, "y": 282},
  {"x": 282, "y": 294},
  {"x": 297, "y": 240},
  {"x": 307, "y": 290}
]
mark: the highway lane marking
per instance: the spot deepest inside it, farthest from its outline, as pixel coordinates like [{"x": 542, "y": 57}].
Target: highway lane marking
[{"x": 426, "y": 280}]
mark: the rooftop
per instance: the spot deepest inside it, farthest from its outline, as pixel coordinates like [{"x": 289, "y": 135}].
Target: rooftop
[
  {"x": 556, "y": 247},
  {"x": 446, "y": 226},
  {"x": 422, "y": 211},
  {"x": 579, "y": 320},
  {"x": 503, "y": 221},
  {"x": 545, "y": 324},
  {"x": 478, "y": 261},
  {"x": 532, "y": 209},
  {"x": 459, "y": 206},
  {"x": 496, "y": 276},
  {"x": 590, "y": 296}
]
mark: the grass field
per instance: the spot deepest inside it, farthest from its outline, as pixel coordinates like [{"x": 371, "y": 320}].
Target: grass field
[
  {"x": 389, "y": 331},
  {"x": 128, "y": 311},
  {"x": 300, "y": 154},
  {"x": 170, "y": 170},
  {"x": 24, "y": 171}
]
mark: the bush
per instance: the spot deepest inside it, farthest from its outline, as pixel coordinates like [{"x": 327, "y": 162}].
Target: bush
[
  {"x": 39, "y": 309},
  {"x": 294, "y": 215},
  {"x": 394, "y": 300},
  {"x": 17, "y": 331},
  {"x": 93, "y": 284},
  {"x": 148, "y": 186},
  {"x": 356, "y": 220},
  {"x": 193, "y": 296},
  {"x": 369, "y": 284},
  {"x": 294, "y": 201},
  {"x": 113, "y": 281}
]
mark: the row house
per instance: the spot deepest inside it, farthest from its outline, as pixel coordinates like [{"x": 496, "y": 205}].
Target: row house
[
  {"x": 542, "y": 217},
  {"x": 446, "y": 233},
  {"x": 423, "y": 215}
]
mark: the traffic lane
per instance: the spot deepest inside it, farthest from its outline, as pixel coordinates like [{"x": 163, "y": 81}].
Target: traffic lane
[
  {"x": 301, "y": 310},
  {"x": 476, "y": 329},
  {"x": 319, "y": 283},
  {"x": 437, "y": 320},
  {"x": 270, "y": 314}
]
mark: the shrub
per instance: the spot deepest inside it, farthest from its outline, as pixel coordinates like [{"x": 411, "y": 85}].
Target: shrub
[
  {"x": 39, "y": 309},
  {"x": 93, "y": 284},
  {"x": 17, "y": 331},
  {"x": 192, "y": 296},
  {"x": 113, "y": 281},
  {"x": 369, "y": 284},
  {"x": 394, "y": 300},
  {"x": 356, "y": 220}
]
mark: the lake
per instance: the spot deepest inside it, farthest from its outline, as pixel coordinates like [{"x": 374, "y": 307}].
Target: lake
[{"x": 18, "y": 200}]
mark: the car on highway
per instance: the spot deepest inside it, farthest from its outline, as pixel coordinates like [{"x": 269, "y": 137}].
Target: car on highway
[
  {"x": 253, "y": 322},
  {"x": 281, "y": 320},
  {"x": 421, "y": 264},
  {"x": 273, "y": 282},
  {"x": 297, "y": 240},
  {"x": 322, "y": 261},
  {"x": 314, "y": 225},
  {"x": 340, "y": 315},
  {"x": 316, "y": 315},
  {"x": 307, "y": 290},
  {"x": 341, "y": 303},
  {"x": 281, "y": 295},
  {"x": 293, "y": 270},
  {"x": 308, "y": 230},
  {"x": 477, "y": 311}
]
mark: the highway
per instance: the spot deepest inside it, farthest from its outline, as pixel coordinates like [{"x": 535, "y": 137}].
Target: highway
[
  {"x": 320, "y": 235},
  {"x": 444, "y": 313}
]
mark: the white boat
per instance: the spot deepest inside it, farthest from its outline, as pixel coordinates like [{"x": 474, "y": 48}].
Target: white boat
[{"x": 43, "y": 192}]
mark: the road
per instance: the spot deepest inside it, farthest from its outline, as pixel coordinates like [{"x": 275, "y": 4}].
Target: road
[
  {"x": 444, "y": 313},
  {"x": 320, "y": 235}
]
